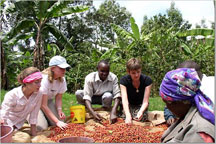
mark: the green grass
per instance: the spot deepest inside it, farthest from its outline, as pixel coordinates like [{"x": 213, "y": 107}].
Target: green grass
[
  {"x": 155, "y": 103},
  {"x": 3, "y": 92}
]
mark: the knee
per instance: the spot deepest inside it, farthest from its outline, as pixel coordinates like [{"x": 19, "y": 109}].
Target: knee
[
  {"x": 107, "y": 95},
  {"x": 79, "y": 93},
  {"x": 107, "y": 98}
]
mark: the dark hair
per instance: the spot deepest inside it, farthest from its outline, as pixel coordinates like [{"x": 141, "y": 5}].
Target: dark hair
[
  {"x": 191, "y": 64},
  {"x": 133, "y": 64},
  {"x": 103, "y": 62}
]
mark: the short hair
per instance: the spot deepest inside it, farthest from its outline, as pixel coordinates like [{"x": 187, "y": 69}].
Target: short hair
[
  {"x": 133, "y": 64},
  {"x": 191, "y": 64},
  {"x": 103, "y": 62}
]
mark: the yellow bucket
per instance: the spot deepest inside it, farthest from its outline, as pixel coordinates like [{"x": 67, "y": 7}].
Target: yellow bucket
[{"x": 78, "y": 114}]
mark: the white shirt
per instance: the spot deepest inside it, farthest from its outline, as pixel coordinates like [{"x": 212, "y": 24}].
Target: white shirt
[
  {"x": 95, "y": 86},
  {"x": 208, "y": 86},
  {"x": 54, "y": 88},
  {"x": 16, "y": 107}
]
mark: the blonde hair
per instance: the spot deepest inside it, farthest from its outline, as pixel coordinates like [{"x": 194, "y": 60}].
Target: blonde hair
[
  {"x": 50, "y": 74},
  {"x": 26, "y": 72},
  {"x": 133, "y": 64}
]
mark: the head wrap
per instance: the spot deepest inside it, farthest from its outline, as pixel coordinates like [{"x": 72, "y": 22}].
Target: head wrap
[
  {"x": 32, "y": 77},
  {"x": 184, "y": 84}
]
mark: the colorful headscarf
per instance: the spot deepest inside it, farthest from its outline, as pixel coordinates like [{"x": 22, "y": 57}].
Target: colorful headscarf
[
  {"x": 184, "y": 84},
  {"x": 32, "y": 77}
]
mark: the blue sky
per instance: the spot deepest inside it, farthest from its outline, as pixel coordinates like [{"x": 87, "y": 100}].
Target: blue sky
[{"x": 192, "y": 10}]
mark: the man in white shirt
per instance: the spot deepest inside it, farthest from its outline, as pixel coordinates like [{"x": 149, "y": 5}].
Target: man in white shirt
[{"x": 100, "y": 87}]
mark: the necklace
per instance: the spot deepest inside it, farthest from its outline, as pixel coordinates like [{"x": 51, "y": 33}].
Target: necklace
[{"x": 136, "y": 86}]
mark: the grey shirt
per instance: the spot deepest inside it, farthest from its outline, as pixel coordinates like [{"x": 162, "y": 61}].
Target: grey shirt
[
  {"x": 94, "y": 86},
  {"x": 188, "y": 129}
]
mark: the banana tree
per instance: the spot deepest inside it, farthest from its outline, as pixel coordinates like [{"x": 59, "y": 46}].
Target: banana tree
[
  {"x": 39, "y": 26},
  {"x": 135, "y": 39},
  {"x": 201, "y": 40},
  {"x": 200, "y": 49},
  {"x": 126, "y": 42}
]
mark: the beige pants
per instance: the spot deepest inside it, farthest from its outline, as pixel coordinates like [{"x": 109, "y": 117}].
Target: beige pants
[{"x": 44, "y": 121}]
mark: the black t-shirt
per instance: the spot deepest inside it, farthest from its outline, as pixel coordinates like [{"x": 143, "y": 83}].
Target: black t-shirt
[{"x": 134, "y": 97}]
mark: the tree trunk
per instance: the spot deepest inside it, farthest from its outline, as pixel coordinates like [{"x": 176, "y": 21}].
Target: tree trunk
[
  {"x": 38, "y": 50},
  {"x": 4, "y": 80},
  {"x": 38, "y": 56},
  {"x": 4, "y": 83},
  {"x": 41, "y": 54}
]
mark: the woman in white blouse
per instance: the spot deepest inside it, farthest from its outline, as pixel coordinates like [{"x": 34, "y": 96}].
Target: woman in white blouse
[
  {"x": 53, "y": 86},
  {"x": 23, "y": 100}
]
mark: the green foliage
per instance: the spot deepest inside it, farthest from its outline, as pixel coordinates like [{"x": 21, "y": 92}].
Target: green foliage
[
  {"x": 1, "y": 3},
  {"x": 135, "y": 29},
  {"x": 58, "y": 35},
  {"x": 3, "y": 92},
  {"x": 164, "y": 50},
  {"x": 201, "y": 49},
  {"x": 86, "y": 38},
  {"x": 26, "y": 23},
  {"x": 43, "y": 13},
  {"x": 136, "y": 41},
  {"x": 34, "y": 24},
  {"x": 90, "y": 33},
  {"x": 196, "y": 32},
  {"x": 110, "y": 12},
  {"x": 121, "y": 32}
]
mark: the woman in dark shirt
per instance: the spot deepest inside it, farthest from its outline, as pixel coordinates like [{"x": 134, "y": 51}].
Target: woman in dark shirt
[{"x": 135, "y": 91}]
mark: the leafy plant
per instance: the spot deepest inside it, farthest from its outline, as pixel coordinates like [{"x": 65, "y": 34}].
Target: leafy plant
[{"x": 38, "y": 23}]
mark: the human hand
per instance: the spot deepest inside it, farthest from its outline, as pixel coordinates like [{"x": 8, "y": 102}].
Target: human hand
[
  {"x": 138, "y": 116},
  {"x": 128, "y": 120},
  {"x": 61, "y": 125},
  {"x": 97, "y": 116},
  {"x": 33, "y": 133},
  {"x": 113, "y": 118},
  {"x": 33, "y": 130},
  {"x": 61, "y": 115},
  {"x": 170, "y": 121}
]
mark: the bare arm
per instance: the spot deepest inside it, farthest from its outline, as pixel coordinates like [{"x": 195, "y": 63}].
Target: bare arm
[
  {"x": 46, "y": 109},
  {"x": 125, "y": 103},
  {"x": 113, "y": 113},
  {"x": 58, "y": 102},
  {"x": 95, "y": 114},
  {"x": 33, "y": 130},
  {"x": 144, "y": 103},
  {"x": 117, "y": 98},
  {"x": 146, "y": 98}
]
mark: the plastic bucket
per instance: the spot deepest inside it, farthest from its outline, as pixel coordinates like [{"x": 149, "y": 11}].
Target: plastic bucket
[
  {"x": 76, "y": 140},
  {"x": 77, "y": 114},
  {"x": 6, "y": 134}
]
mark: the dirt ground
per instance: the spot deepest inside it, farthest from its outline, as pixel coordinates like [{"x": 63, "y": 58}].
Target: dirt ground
[{"x": 155, "y": 119}]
